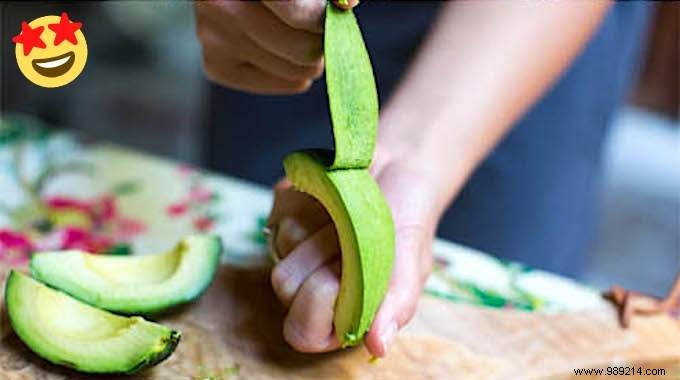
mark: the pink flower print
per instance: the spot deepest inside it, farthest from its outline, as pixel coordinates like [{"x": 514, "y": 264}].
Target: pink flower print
[
  {"x": 200, "y": 194},
  {"x": 59, "y": 202},
  {"x": 99, "y": 243},
  {"x": 15, "y": 247},
  {"x": 105, "y": 208},
  {"x": 177, "y": 209},
  {"x": 77, "y": 238},
  {"x": 186, "y": 170},
  {"x": 203, "y": 223},
  {"x": 127, "y": 228},
  {"x": 73, "y": 238}
]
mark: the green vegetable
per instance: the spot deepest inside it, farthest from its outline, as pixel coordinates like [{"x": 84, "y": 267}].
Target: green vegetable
[
  {"x": 68, "y": 332},
  {"x": 341, "y": 182},
  {"x": 144, "y": 284},
  {"x": 364, "y": 224},
  {"x": 352, "y": 94}
]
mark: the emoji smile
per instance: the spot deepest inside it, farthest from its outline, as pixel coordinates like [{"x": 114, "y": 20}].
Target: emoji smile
[{"x": 55, "y": 66}]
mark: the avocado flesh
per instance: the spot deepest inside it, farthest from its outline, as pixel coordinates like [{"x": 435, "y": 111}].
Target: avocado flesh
[
  {"x": 68, "y": 332},
  {"x": 364, "y": 224},
  {"x": 144, "y": 284}
]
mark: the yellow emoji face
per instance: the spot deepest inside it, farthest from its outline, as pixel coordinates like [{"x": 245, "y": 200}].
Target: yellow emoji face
[{"x": 51, "y": 51}]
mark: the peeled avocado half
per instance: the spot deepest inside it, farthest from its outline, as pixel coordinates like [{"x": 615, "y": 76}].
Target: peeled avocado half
[
  {"x": 341, "y": 182},
  {"x": 365, "y": 230},
  {"x": 68, "y": 332},
  {"x": 143, "y": 284}
]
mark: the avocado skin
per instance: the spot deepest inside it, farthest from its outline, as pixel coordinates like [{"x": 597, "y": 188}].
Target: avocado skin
[
  {"x": 152, "y": 358},
  {"x": 161, "y": 307},
  {"x": 171, "y": 344},
  {"x": 351, "y": 88}
]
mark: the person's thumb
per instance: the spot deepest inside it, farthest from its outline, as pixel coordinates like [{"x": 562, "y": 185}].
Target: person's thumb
[
  {"x": 410, "y": 197},
  {"x": 404, "y": 290},
  {"x": 299, "y": 14},
  {"x": 305, "y": 14}
]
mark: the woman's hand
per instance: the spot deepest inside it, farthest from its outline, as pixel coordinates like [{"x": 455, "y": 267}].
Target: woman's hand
[
  {"x": 306, "y": 279},
  {"x": 266, "y": 47}
]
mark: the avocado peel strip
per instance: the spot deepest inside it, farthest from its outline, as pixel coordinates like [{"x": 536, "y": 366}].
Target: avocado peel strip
[
  {"x": 352, "y": 93},
  {"x": 341, "y": 182}
]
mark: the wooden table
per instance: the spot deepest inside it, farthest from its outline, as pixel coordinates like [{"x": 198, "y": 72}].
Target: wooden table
[{"x": 234, "y": 331}]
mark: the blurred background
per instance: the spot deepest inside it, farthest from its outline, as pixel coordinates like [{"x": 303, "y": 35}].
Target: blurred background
[{"x": 143, "y": 87}]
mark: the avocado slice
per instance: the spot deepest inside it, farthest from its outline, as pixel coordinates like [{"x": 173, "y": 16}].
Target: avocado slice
[
  {"x": 366, "y": 232},
  {"x": 143, "y": 284},
  {"x": 71, "y": 333}
]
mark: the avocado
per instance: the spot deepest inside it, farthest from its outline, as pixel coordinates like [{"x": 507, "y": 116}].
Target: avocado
[
  {"x": 340, "y": 180},
  {"x": 352, "y": 93},
  {"x": 366, "y": 232},
  {"x": 142, "y": 284},
  {"x": 71, "y": 333}
]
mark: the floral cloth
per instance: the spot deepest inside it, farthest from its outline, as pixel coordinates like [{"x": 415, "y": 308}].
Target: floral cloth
[
  {"x": 57, "y": 194},
  {"x": 38, "y": 218}
]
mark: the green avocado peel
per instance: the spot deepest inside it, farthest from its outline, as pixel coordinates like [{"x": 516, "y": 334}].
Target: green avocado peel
[
  {"x": 341, "y": 182},
  {"x": 352, "y": 94}
]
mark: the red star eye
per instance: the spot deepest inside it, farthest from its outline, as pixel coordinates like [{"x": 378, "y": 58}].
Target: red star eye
[
  {"x": 65, "y": 30},
  {"x": 29, "y": 37}
]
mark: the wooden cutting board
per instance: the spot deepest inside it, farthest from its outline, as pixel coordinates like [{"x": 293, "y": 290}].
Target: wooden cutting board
[{"x": 234, "y": 332}]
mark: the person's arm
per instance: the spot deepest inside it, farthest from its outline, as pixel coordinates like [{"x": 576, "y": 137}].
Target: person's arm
[{"x": 484, "y": 64}]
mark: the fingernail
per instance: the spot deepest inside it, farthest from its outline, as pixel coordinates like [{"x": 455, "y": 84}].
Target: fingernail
[
  {"x": 270, "y": 237},
  {"x": 388, "y": 335}
]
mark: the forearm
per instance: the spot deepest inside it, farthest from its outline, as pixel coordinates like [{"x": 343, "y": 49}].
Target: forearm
[{"x": 483, "y": 65}]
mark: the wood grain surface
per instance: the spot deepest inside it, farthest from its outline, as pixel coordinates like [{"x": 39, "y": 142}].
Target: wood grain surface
[{"x": 234, "y": 332}]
